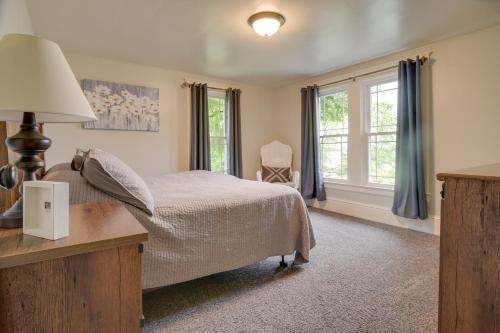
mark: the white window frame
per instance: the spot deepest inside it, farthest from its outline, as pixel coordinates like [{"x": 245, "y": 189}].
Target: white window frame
[
  {"x": 213, "y": 93},
  {"x": 365, "y": 85},
  {"x": 330, "y": 91}
]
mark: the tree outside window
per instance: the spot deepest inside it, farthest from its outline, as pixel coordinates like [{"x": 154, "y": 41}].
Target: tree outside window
[
  {"x": 334, "y": 134},
  {"x": 382, "y": 122},
  {"x": 218, "y": 133}
]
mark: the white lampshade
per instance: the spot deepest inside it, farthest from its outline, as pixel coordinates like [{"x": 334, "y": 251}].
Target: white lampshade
[{"x": 35, "y": 77}]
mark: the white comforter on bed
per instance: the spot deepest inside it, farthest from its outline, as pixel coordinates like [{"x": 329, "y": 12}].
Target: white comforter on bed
[{"x": 206, "y": 223}]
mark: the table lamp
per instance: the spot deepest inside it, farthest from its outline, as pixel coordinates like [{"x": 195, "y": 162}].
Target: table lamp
[{"x": 36, "y": 86}]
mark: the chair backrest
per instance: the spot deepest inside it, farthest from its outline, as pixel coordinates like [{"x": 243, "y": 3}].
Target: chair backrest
[{"x": 276, "y": 155}]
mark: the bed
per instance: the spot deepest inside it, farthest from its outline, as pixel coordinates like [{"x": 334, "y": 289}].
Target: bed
[{"x": 205, "y": 223}]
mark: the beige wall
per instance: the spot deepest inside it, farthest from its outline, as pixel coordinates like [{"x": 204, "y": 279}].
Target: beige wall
[
  {"x": 167, "y": 150},
  {"x": 463, "y": 102}
]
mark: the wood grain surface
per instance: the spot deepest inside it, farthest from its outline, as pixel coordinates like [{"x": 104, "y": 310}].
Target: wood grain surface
[
  {"x": 94, "y": 292},
  {"x": 87, "y": 282},
  {"x": 469, "y": 284},
  {"x": 486, "y": 172},
  {"x": 93, "y": 227}
]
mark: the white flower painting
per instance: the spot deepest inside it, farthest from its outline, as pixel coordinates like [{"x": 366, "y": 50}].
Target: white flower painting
[{"x": 122, "y": 106}]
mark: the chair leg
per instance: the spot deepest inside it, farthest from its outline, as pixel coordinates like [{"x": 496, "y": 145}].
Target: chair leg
[{"x": 283, "y": 264}]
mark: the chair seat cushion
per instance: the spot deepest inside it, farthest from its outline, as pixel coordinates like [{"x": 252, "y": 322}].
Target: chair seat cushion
[{"x": 275, "y": 175}]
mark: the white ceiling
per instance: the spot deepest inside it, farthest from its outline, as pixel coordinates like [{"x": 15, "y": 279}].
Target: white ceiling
[{"x": 212, "y": 37}]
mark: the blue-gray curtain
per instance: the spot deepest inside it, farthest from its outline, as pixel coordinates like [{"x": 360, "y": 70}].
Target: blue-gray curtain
[
  {"x": 311, "y": 176},
  {"x": 234, "y": 121},
  {"x": 200, "y": 136},
  {"x": 409, "y": 189}
]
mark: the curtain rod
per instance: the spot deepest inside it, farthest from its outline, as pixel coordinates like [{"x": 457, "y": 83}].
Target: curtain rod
[
  {"x": 353, "y": 78},
  {"x": 186, "y": 84}
]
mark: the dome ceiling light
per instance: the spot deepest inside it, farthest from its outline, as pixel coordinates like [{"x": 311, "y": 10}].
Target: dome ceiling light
[{"x": 266, "y": 23}]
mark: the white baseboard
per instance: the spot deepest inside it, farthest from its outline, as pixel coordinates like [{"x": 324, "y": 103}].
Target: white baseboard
[{"x": 378, "y": 214}]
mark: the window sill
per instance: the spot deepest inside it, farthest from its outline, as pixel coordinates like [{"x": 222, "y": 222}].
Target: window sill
[{"x": 382, "y": 191}]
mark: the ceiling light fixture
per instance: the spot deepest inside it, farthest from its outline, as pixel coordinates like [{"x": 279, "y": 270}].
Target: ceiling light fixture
[{"x": 266, "y": 23}]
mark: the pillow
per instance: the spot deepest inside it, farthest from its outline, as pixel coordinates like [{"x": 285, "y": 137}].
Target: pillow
[
  {"x": 275, "y": 175},
  {"x": 78, "y": 159},
  {"x": 112, "y": 176}
]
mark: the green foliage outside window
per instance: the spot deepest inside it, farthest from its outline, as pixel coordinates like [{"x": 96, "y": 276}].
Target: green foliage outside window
[
  {"x": 382, "y": 138},
  {"x": 334, "y": 130},
  {"x": 218, "y": 137}
]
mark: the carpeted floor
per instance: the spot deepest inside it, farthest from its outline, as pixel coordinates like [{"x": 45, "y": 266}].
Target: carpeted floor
[{"x": 363, "y": 277}]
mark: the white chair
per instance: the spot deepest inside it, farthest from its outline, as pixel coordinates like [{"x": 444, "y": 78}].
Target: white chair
[{"x": 279, "y": 155}]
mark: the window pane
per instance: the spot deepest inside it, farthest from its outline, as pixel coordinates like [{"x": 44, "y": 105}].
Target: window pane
[
  {"x": 216, "y": 116},
  {"x": 334, "y": 130},
  {"x": 218, "y": 149},
  {"x": 334, "y": 115},
  {"x": 383, "y": 107},
  {"x": 382, "y": 120},
  {"x": 382, "y": 158},
  {"x": 217, "y": 130},
  {"x": 334, "y": 157}
]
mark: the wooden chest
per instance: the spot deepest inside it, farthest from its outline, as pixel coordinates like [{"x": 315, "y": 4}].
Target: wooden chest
[
  {"x": 89, "y": 281},
  {"x": 469, "y": 277}
]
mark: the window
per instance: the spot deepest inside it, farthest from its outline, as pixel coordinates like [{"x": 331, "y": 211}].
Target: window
[
  {"x": 357, "y": 129},
  {"x": 381, "y": 121},
  {"x": 334, "y": 133},
  {"x": 217, "y": 124}
]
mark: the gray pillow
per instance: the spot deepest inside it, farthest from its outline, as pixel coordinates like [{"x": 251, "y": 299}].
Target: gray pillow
[
  {"x": 112, "y": 176},
  {"x": 78, "y": 159}
]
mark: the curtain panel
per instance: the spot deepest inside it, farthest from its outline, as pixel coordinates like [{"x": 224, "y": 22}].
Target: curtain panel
[
  {"x": 311, "y": 177},
  {"x": 233, "y": 111},
  {"x": 409, "y": 189},
  {"x": 200, "y": 136}
]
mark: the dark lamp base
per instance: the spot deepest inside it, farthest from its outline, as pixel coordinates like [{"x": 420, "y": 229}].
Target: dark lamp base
[{"x": 28, "y": 143}]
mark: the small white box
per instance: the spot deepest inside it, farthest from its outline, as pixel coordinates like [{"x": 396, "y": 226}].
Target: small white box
[{"x": 45, "y": 209}]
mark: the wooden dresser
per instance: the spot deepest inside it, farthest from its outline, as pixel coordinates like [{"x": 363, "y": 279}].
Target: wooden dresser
[
  {"x": 89, "y": 281},
  {"x": 469, "y": 277}
]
